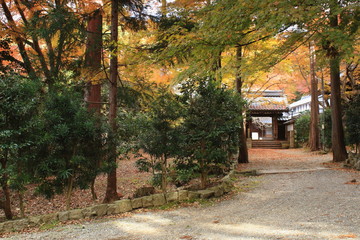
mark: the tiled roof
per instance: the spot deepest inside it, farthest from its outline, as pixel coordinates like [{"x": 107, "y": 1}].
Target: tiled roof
[{"x": 269, "y": 103}]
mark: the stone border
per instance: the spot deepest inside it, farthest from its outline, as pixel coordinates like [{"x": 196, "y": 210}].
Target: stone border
[
  {"x": 353, "y": 161},
  {"x": 121, "y": 206}
]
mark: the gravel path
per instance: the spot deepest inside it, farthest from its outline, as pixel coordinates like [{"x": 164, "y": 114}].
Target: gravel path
[{"x": 315, "y": 204}]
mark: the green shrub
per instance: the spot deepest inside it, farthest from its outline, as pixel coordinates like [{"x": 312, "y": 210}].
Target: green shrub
[
  {"x": 211, "y": 125},
  {"x": 325, "y": 118},
  {"x": 302, "y": 128},
  {"x": 352, "y": 121}
]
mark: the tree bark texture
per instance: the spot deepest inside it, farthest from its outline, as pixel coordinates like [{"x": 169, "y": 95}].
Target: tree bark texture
[
  {"x": 93, "y": 64},
  {"x": 243, "y": 151},
  {"x": 6, "y": 203},
  {"x": 93, "y": 60},
  {"x": 314, "y": 140},
  {"x": 111, "y": 189},
  {"x": 337, "y": 131}
]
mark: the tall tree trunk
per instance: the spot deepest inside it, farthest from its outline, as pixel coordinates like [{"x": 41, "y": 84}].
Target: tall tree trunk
[
  {"x": 243, "y": 151},
  {"x": 111, "y": 189},
  {"x": 337, "y": 131},
  {"x": 93, "y": 64},
  {"x": 314, "y": 119},
  {"x": 93, "y": 60}
]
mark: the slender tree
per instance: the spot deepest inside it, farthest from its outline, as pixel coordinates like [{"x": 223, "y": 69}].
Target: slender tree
[
  {"x": 111, "y": 188},
  {"x": 243, "y": 151},
  {"x": 333, "y": 54},
  {"x": 314, "y": 139},
  {"x": 93, "y": 68}
]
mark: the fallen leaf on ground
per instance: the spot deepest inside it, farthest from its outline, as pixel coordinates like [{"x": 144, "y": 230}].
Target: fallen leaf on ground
[
  {"x": 186, "y": 237},
  {"x": 353, "y": 182},
  {"x": 347, "y": 236}
]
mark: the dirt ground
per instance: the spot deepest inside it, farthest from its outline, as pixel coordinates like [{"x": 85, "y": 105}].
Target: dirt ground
[
  {"x": 129, "y": 179},
  {"x": 314, "y": 199}
]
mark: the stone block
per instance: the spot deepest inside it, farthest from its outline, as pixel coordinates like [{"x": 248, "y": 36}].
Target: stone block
[
  {"x": 357, "y": 165},
  {"x": 48, "y": 218},
  {"x": 231, "y": 174},
  {"x": 8, "y": 226},
  {"x": 227, "y": 186},
  {"x": 123, "y": 206},
  {"x": 16, "y": 225},
  {"x": 35, "y": 220},
  {"x": 21, "y": 224},
  {"x": 100, "y": 210},
  {"x": 88, "y": 212},
  {"x": 136, "y": 203},
  {"x": 183, "y": 195},
  {"x": 172, "y": 196},
  {"x": 193, "y": 195},
  {"x": 147, "y": 201},
  {"x": 111, "y": 209},
  {"x": 76, "y": 214},
  {"x": 218, "y": 191},
  {"x": 159, "y": 199},
  {"x": 63, "y": 216},
  {"x": 207, "y": 193}
]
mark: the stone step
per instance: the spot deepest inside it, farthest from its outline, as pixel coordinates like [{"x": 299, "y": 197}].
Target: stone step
[{"x": 266, "y": 144}]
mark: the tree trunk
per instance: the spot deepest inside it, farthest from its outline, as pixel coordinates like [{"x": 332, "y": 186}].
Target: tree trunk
[
  {"x": 337, "y": 131},
  {"x": 92, "y": 188},
  {"x": 314, "y": 141},
  {"x": 203, "y": 174},
  {"x": 6, "y": 204},
  {"x": 93, "y": 64},
  {"x": 203, "y": 168},
  {"x": 21, "y": 204},
  {"x": 164, "y": 174},
  {"x": 93, "y": 60},
  {"x": 243, "y": 151},
  {"x": 111, "y": 189},
  {"x": 69, "y": 192}
]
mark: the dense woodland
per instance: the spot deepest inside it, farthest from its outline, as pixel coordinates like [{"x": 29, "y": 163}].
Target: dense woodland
[{"x": 85, "y": 83}]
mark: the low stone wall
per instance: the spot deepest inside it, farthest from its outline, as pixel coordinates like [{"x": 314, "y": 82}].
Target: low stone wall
[
  {"x": 120, "y": 206},
  {"x": 353, "y": 161}
]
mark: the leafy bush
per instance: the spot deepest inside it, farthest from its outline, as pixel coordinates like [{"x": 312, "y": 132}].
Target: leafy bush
[
  {"x": 71, "y": 145},
  {"x": 19, "y": 101},
  {"x": 302, "y": 128},
  {"x": 211, "y": 126},
  {"x": 352, "y": 121},
  {"x": 159, "y": 137},
  {"x": 325, "y": 133}
]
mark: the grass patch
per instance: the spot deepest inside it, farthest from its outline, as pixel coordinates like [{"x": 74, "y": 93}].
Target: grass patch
[
  {"x": 249, "y": 184},
  {"x": 48, "y": 226},
  {"x": 168, "y": 206}
]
